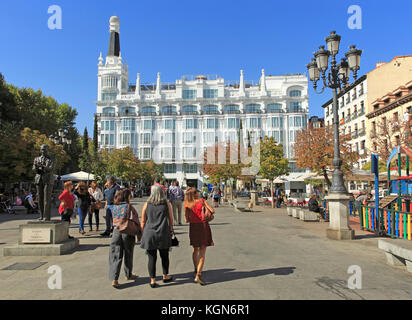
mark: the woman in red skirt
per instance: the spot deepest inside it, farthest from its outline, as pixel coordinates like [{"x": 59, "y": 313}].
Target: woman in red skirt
[{"x": 199, "y": 231}]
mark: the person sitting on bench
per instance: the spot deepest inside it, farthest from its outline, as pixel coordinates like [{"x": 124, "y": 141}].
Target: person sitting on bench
[
  {"x": 29, "y": 203},
  {"x": 314, "y": 206}
]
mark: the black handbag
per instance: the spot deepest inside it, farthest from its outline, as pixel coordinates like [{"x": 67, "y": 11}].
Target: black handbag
[{"x": 175, "y": 241}]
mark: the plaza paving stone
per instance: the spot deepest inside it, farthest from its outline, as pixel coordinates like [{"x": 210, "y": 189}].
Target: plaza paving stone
[{"x": 259, "y": 255}]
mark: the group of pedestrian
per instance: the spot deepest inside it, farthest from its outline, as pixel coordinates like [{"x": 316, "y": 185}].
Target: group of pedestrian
[
  {"x": 82, "y": 201},
  {"x": 157, "y": 228}
]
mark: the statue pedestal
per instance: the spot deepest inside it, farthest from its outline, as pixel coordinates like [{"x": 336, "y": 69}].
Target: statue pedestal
[
  {"x": 339, "y": 217},
  {"x": 42, "y": 238}
]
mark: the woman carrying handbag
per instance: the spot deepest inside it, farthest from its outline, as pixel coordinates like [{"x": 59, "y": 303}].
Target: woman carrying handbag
[
  {"x": 97, "y": 198},
  {"x": 126, "y": 227},
  {"x": 198, "y": 213}
]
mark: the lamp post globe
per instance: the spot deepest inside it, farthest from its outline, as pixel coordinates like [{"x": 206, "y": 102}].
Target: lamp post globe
[
  {"x": 322, "y": 58},
  {"x": 333, "y": 42}
]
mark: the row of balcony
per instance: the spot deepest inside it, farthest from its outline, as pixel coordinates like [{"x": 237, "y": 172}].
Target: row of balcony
[
  {"x": 228, "y": 94},
  {"x": 184, "y": 113}
]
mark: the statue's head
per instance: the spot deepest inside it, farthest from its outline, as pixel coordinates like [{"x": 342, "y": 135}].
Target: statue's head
[{"x": 44, "y": 150}]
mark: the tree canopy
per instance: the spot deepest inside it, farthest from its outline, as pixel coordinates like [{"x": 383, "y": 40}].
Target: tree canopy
[{"x": 314, "y": 149}]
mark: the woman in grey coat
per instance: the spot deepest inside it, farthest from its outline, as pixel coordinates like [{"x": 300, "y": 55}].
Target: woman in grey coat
[{"x": 157, "y": 227}]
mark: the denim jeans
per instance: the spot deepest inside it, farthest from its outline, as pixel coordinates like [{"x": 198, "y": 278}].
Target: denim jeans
[
  {"x": 109, "y": 220},
  {"x": 82, "y": 217}
]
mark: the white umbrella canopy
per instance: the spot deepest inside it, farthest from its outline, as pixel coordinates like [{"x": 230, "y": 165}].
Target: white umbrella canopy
[{"x": 78, "y": 176}]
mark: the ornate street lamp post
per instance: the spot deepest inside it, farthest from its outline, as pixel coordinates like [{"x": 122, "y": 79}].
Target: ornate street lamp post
[{"x": 337, "y": 78}]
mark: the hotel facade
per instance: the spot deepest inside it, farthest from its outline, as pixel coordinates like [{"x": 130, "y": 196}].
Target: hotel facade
[{"x": 174, "y": 123}]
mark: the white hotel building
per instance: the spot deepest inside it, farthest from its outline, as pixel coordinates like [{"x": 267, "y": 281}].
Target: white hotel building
[{"x": 174, "y": 123}]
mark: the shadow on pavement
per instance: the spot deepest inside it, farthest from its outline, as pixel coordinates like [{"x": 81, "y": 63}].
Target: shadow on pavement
[
  {"x": 90, "y": 247},
  {"x": 214, "y": 276},
  {"x": 224, "y": 275},
  {"x": 366, "y": 236}
]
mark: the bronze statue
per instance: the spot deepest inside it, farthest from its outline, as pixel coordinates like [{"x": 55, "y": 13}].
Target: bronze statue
[{"x": 44, "y": 167}]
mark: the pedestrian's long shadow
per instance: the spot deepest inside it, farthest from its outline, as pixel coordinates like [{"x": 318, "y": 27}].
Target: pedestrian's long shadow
[{"x": 215, "y": 276}]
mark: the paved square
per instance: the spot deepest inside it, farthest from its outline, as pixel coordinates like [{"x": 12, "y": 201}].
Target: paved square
[{"x": 261, "y": 255}]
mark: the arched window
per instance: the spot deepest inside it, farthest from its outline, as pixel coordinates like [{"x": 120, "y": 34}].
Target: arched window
[
  {"x": 189, "y": 110},
  {"x": 295, "y": 93},
  {"x": 148, "y": 111},
  {"x": 169, "y": 110},
  {"x": 128, "y": 111},
  {"x": 252, "y": 108},
  {"x": 274, "y": 108},
  {"x": 231, "y": 109},
  {"x": 210, "y": 109},
  {"x": 108, "y": 111}
]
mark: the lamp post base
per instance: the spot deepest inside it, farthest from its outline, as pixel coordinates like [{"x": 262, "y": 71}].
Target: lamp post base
[
  {"x": 339, "y": 217},
  {"x": 340, "y": 234}
]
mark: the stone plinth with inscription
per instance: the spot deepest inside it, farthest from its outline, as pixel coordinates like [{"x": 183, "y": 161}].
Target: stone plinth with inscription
[{"x": 41, "y": 238}]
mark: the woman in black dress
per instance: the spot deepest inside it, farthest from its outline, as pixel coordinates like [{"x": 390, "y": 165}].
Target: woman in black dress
[{"x": 157, "y": 227}]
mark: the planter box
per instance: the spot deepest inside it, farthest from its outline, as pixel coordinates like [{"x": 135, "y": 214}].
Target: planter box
[
  {"x": 295, "y": 213},
  {"x": 306, "y": 215}
]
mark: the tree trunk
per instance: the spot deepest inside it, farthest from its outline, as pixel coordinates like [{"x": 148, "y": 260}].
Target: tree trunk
[
  {"x": 328, "y": 182},
  {"x": 271, "y": 191}
]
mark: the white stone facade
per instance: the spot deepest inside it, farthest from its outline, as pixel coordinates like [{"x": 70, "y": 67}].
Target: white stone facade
[{"x": 174, "y": 123}]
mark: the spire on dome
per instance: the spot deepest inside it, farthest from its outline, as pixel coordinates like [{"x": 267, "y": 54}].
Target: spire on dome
[{"x": 114, "y": 42}]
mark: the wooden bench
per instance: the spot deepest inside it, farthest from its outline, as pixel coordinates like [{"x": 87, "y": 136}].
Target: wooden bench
[{"x": 398, "y": 252}]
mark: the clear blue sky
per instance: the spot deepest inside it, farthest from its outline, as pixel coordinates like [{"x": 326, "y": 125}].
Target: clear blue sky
[{"x": 187, "y": 37}]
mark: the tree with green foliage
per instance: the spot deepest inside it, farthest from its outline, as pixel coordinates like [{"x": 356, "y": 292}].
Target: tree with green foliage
[
  {"x": 272, "y": 162},
  {"x": 18, "y": 150},
  {"x": 25, "y": 108},
  {"x": 123, "y": 164}
]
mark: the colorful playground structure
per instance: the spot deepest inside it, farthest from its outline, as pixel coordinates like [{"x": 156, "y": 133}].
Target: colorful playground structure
[{"x": 393, "y": 215}]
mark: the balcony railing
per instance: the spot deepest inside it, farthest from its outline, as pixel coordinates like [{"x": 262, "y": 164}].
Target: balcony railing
[
  {"x": 252, "y": 111},
  {"x": 295, "y": 110},
  {"x": 354, "y": 134},
  {"x": 189, "y": 113},
  {"x": 362, "y": 132},
  {"x": 274, "y": 111},
  {"x": 361, "y": 92},
  {"x": 373, "y": 134},
  {"x": 150, "y": 114},
  {"x": 361, "y": 113},
  {"x": 354, "y": 96},
  {"x": 354, "y": 115},
  {"x": 210, "y": 112}
]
